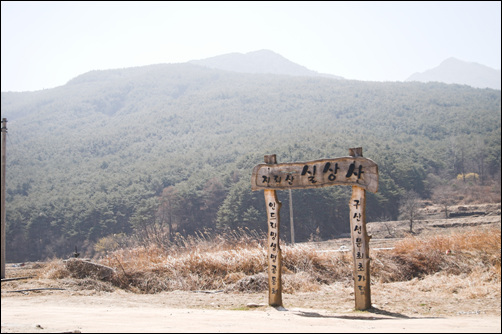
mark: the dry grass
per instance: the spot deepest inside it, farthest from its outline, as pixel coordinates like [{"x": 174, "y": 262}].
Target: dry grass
[
  {"x": 237, "y": 262},
  {"x": 476, "y": 250}
]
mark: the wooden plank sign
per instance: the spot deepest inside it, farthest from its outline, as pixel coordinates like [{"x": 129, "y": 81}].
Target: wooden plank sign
[
  {"x": 350, "y": 171},
  {"x": 359, "y": 172}
]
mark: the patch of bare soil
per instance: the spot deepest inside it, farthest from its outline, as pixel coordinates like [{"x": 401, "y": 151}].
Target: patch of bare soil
[{"x": 437, "y": 303}]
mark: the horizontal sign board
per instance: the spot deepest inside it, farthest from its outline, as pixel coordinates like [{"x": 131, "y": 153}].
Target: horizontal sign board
[{"x": 350, "y": 171}]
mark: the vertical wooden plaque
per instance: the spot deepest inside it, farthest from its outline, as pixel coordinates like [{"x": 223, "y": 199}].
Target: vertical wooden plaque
[
  {"x": 274, "y": 251},
  {"x": 360, "y": 244}
]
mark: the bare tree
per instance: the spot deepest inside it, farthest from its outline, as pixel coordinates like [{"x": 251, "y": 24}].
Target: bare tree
[
  {"x": 409, "y": 206},
  {"x": 444, "y": 196},
  {"x": 384, "y": 219}
]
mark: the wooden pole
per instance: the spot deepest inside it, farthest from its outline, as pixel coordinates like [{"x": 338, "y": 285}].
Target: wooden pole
[
  {"x": 274, "y": 251},
  {"x": 4, "y": 147},
  {"x": 291, "y": 223},
  {"x": 360, "y": 243}
]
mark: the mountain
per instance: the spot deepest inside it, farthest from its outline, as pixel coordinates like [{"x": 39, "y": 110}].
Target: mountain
[
  {"x": 461, "y": 72},
  {"x": 168, "y": 150},
  {"x": 262, "y": 61}
]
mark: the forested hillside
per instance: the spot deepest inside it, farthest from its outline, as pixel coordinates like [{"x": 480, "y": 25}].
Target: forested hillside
[{"x": 164, "y": 149}]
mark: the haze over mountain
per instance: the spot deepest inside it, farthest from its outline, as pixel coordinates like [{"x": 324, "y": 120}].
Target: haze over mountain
[
  {"x": 261, "y": 61},
  {"x": 456, "y": 71},
  {"x": 450, "y": 71}
]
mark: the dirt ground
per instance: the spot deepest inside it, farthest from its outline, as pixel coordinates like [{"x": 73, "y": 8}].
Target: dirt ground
[
  {"x": 435, "y": 304},
  {"x": 179, "y": 312}
]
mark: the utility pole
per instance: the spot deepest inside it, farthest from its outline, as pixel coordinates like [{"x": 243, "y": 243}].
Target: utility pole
[
  {"x": 4, "y": 147},
  {"x": 291, "y": 217}
]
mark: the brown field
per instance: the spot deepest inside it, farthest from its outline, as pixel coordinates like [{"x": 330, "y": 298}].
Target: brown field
[{"x": 445, "y": 277}]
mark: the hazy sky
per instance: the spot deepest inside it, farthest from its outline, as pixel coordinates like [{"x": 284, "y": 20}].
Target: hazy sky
[{"x": 45, "y": 43}]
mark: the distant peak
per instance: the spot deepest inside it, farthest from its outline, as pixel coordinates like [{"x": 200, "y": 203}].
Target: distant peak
[
  {"x": 260, "y": 61},
  {"x": 451, "y": 62},
  {"x": 451, "y": 59},
  {"x": 456, "y": 71},
  {"x": 263, "y": 51}
]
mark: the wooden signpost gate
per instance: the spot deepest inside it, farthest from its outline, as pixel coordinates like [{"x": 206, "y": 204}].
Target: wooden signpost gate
[{"x": 355, "y": 171}]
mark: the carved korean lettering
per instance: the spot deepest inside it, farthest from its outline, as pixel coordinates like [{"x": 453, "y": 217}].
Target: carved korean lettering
[
  {"x": 319, "y": 173},
  {"x": 274, "y": 252},
  {"x": 353, "y": 170},
  {"x": 332, "y": 170},
  {"x": 359, "y": 245}
]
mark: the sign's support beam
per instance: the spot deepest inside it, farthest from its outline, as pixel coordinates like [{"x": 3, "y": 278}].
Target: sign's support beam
[
  {"x": 360, "y": 243},
  {"x": 274, "y": 251}
]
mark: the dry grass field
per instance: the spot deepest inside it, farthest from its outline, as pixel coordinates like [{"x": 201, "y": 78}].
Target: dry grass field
[{"x": 446, "y": 268}]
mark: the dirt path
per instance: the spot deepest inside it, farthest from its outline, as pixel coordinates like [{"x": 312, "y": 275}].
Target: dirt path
[{"x": 123, "y": 313}]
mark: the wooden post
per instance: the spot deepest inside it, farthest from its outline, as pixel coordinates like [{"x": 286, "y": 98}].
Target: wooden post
[
  {"x": 3, "y": 162},
  {"x": 360, "y": 243},
  {"x": 291, "y": 223},
  {"x": 274, "y": 251}
]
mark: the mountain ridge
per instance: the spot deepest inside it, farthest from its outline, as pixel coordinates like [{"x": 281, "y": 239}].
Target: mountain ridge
[
  {"x": 455, "y": 71},
  {"x": 261, "y": 61},
  {"x": 264, "y": 61}
]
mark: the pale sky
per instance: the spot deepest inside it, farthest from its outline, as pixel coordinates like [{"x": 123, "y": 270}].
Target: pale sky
[{"x": 45, "y": 44}]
